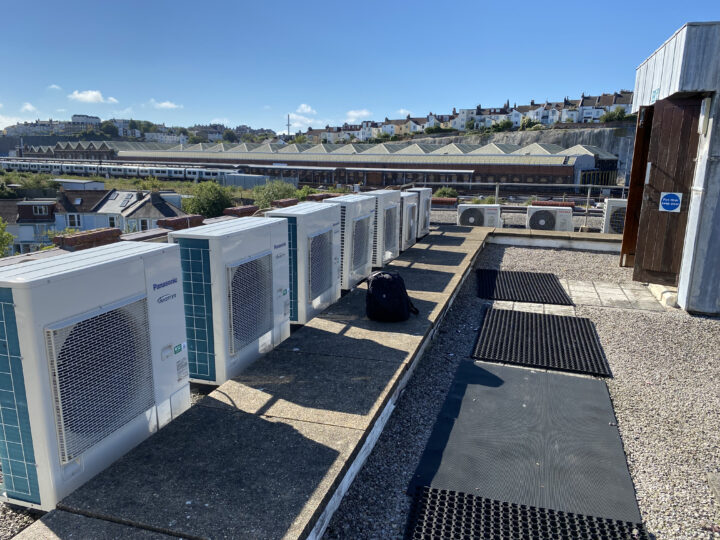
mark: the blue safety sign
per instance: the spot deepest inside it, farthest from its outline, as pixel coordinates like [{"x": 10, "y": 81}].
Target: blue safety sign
[{"x": 670, "y": 202}]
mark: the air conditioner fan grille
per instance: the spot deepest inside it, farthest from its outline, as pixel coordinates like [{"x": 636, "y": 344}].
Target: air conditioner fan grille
[
  {"x": 361, "y": 243},
  {"x": 102, "y": 376},
  {"x": 250, "y": 290},
  {"x": 320, "y": 264},
  {"x": 390, "y": 241}
]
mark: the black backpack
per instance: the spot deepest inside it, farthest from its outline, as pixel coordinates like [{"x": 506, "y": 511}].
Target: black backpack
[{"x": 387, "y": 299}]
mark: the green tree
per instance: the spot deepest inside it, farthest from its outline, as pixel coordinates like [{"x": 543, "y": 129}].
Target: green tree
[
  {"x": 6, "y": 239},
  {"x": 302, "y": 193},
  {"x": 272, "y": 191},
  {"x": 109, "y": 129},
  {"x": 133, "y": 125},
  {"x": 195, "y": 139},
  {"x": 147, "y": 184},
  {"x": 470, "y": 124},
  {"x": 209, "y": 200},
  {"x": 617, "y": 115},
  {"x": 527, "y": 123},
  {"x": 299, "y": 139},
  {"x": 230, "y": 136},
  {"x": 445, "y": 191}
]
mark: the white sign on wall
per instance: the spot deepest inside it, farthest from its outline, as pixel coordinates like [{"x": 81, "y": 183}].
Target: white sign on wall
[{"x": 670, "y": 202}]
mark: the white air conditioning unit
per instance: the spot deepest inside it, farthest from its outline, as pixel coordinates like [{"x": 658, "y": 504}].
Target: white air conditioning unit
[
  {"x": 93, "y": 361},
  {"x": 549, "y": 218},
  {"x": 479, "y": 215},
  {"x": 237, "y": 297},
  {"x": 424, "y": 203},
  {"x": 408, "y": 219},
  {"x": 314, "y": 257},
  {"x": 387, "y": 226},
  {"x": 614, "y": 216},
  {"x": 357, "y": 220}
]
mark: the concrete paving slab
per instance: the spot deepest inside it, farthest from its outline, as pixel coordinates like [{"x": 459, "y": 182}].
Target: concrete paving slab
[
  {"x": 218, "y": 474},
  {"x": 63, "y": 525},
  {"x": 311, "y": 387},
  {"x": 529, "y": 307},
  {"x": 567, "y": 311},
  {"x": 437, "y": 257},
  {"x": 425, "y": 277}
]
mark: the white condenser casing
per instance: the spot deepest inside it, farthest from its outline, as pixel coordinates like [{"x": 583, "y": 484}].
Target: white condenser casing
[
  {"x": 357, "y": 221},
  {"x": 614, "y": 216},
  {"x": 386, "y": 240},
  {"x": 92, "y": 362},
  {"x": 314, "y": 257},
  {"x": 236, "y": 293},
  {"x": 549, "y": 218},
  {"x": 424, "y": 206},
  {"x": 479, "y": 215},
  {"x": 408, "y": 219}
]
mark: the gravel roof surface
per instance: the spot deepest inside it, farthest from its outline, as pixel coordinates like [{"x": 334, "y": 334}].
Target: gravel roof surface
[{"x": 665, "y": 390}]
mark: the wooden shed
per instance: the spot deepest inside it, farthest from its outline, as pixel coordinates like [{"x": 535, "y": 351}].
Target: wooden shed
[{"x": 672, "y": 227}]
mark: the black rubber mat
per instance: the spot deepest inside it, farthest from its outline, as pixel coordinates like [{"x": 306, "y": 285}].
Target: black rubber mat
[
  {"x": 543, "y": 341},
  {"x": 442, "y": 514},
  {"x": 528, "y": 437},
  {"x": 531, "y": 287}
]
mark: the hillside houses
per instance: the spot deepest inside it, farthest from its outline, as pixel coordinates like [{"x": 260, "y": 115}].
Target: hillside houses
[{"x": 587, "y": 109}]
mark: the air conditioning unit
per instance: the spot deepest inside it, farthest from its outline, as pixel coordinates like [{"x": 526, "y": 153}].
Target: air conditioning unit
[
  {"x": 93, "y": 361},
  {"x": 314, "y": 257},
  {"x": 424, "y": 203},
  {"x": 549, "y": 218},
  {"x": 237, "y": 293},
  {"x": 408, "y": 219},
  {"x": 614, "y": 216},
  {"x": 387, "y": 226},
  {"x": 479, "y": 215},
  {"x": 357, "y": 220}
]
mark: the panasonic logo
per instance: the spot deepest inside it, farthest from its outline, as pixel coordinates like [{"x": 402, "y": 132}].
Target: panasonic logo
[
  {"x": 278, "y": 246},
  {"x": 166, "y": 298},
  {"x": 157, "y": 286}
]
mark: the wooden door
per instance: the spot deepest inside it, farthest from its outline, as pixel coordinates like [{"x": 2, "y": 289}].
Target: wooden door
[{"x": 670, "y": 167}]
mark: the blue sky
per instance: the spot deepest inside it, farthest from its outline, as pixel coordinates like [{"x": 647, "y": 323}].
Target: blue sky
[{"x": 184, "y": 62}]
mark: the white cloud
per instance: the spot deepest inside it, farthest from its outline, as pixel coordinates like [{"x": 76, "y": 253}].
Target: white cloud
[
  {"x": 54, "y": 87},
  {"x": 28, "y": 107},
  {"x": 403, "y": 112},
  {"x": 90, "y": 96},
  {"x": 353, "y": 116},
  {"x": 62, "y": 110},
  {"x": 164, "y": 104},
  {"x": 304, "y": 108},
  {"x": 223, "y": 121},
  {"x": 6, "y": 121}
]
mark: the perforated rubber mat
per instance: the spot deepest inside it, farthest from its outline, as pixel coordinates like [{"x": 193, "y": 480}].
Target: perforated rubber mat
[
  {"x": 544, "y": 341},
  {"x": 442, "y": 514},
  {"x": 531, "y": 287},
  {"x": 537, "y": 438}
]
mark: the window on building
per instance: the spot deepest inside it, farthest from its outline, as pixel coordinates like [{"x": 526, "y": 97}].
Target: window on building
[
  {"x": 144, "y": 224},
  {"x": 40, "y": 210},
  {"x": 73, "y": 221},
  {"x": 112, "y": 221}
]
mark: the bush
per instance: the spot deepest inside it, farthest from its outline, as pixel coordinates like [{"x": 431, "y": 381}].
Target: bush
[
  {"x": 530, "y": 200},
  {"x": 445, "y": 192},
  {"x": 272, "y": 191},
  {"x": 537, "y": 127},
  {"x": 302, "y": 193},
  {"x": 209, "y": 200}
]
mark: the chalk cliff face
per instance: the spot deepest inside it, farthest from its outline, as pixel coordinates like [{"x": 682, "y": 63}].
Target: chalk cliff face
[{"x": 616, "y": 140}]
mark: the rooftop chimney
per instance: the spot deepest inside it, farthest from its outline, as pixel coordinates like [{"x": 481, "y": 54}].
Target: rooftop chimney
[
  {"x": 87, "y": 239},
  {"x": 241, "y": 211},
  {"x": 181, "y": 222}
]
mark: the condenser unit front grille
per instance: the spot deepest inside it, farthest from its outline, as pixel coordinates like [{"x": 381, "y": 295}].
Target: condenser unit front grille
[
  {"x": 361, "y": 243},
  {"x": 101, "y": 374},
  {"x": 319, "y": 264},
  {"x": 617, "y": 220},
  {"x": 391, "y": 234},
  {"x": 343, "y": 215},
  {"x": 250, "y": 301},
  {"x": 375, "y": 234}
]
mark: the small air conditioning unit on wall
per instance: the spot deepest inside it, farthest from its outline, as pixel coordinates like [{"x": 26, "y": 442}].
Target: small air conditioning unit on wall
[
  {"x": 614, "y": 216},
  {"x": 548, "y": 218},
  {"x": 237, "y": 293},
  {"x": 357, "y": 220},
  {"x": 93, "y": 361},
  {"x": 408, "y": 219},
  {"x": 314, "y": 257},
  {"x": 479, "y": 215},
  {"x": 424, "y": 204},
  {"x": 386, "y": 240}
]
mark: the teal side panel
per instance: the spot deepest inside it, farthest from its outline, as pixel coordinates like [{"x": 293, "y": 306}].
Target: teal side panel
[
  {"x": 17, "y": 456},
  {"x": 197, "y": 293},
  {"x": 293, "y": 261}
]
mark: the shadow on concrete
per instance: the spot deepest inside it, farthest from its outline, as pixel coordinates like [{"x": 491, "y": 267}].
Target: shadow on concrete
[
  {"x": 419, "y": 279},
  {"x": 436, "y": 257},
  {"x": 212, "y": 473}
]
